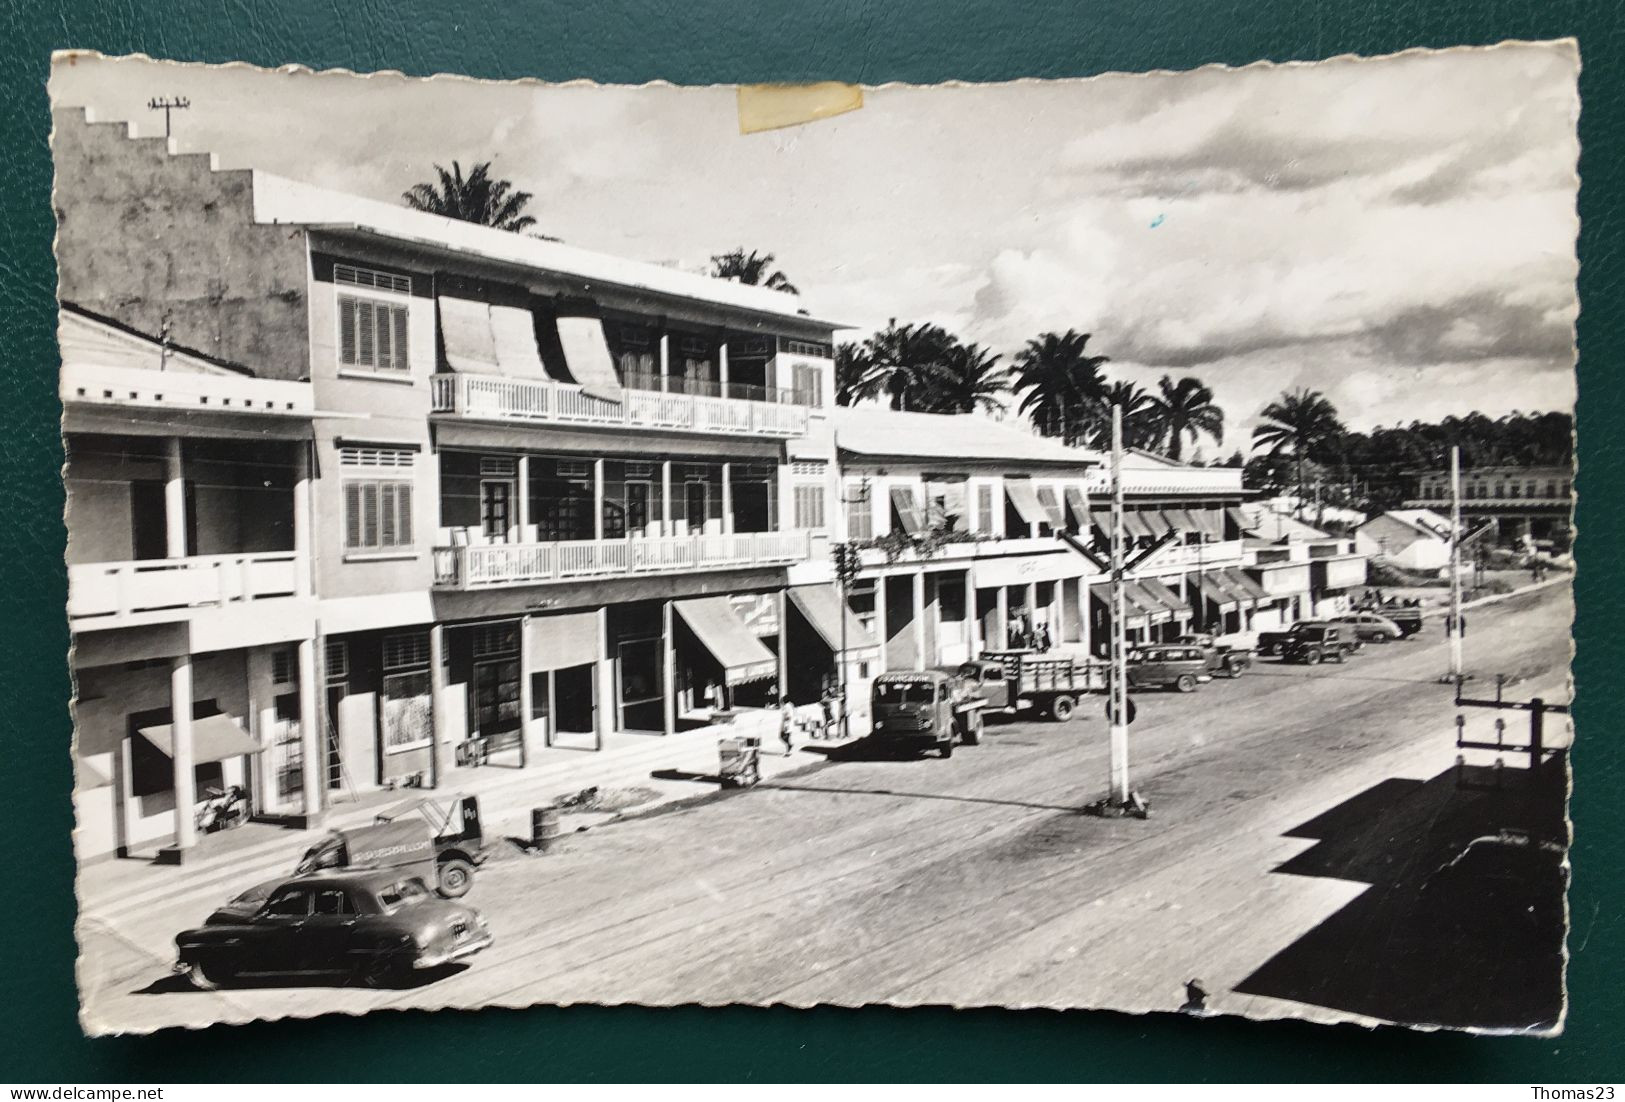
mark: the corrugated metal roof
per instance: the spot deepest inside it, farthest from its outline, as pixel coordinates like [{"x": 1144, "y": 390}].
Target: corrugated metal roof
[{"x": 875, "y": 432}]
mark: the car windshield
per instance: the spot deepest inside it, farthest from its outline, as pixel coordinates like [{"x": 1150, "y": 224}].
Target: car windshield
[
  {"x": 403, "y": 893},
  {"x": 903, "y": 692},
  {"x": 1314, "y": 633}
]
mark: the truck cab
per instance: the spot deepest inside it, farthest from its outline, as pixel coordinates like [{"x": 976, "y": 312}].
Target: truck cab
[{"x": 920, "y": 711}]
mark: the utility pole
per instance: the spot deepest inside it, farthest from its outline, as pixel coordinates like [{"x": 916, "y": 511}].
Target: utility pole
[
  {"x": 1118, "y": 793},
  {"x": 167, "y": 106},
  {"x": 1455, "y": 564}
]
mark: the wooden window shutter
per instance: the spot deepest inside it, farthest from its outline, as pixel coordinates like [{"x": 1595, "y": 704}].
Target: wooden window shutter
[
  {"x": 364, "y": 343},
  {"x": 401, "y": 361},
  {"x": 403, "y": 514},
  {"x": 352, "y": 515},
  {"x": 369, "y": 514},
  {"x": 347, "y": 330}
]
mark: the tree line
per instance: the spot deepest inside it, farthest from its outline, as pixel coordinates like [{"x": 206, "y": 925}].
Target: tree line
[{"x": 1300, "y": 444}]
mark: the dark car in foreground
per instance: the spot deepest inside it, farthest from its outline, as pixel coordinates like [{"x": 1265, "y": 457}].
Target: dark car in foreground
[
  {"x": 1317, "y": 643},
  {"x": 376, "y": 927}
]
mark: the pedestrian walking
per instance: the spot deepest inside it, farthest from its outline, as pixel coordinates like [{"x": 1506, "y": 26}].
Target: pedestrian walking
[{"x": 787, "y": 723}]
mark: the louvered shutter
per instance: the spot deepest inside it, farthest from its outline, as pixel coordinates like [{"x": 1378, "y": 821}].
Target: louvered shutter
[
  {"x": 347, "y": 330},
  {"x": 382, "y": 335},
  {"x": 386, "y": 493},
  {"x": 352, "y": 515},
  {"x": 369, "y": 514},
  {"x": 403, "y": 513},
  {"x": 364, "y": 342},
  {"x": 399, "y": 314}
]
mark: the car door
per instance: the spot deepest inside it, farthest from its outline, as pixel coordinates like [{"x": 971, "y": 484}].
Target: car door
[
  {"x": 275, "y": 944},
  {"x": 326, "y": 939}
]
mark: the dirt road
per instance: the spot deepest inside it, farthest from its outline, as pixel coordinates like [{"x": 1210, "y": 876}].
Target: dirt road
[{"x": 973, "y": 880}]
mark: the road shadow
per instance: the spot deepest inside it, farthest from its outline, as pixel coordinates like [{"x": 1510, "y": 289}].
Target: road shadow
[
  {"x": 1463, "y": 924},
  {"x": 174, "y": 983},
  {"x": 780, "y": 786},
  {"x": 869, "y": 749}
]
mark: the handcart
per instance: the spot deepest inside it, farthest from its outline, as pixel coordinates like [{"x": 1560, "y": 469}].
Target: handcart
[{"x": 741, "y": 761}]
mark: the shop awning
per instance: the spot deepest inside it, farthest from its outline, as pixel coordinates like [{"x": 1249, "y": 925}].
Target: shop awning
[
  {"x": 1210, "y": 522},
  {"x": 559, "y": 642},
  {"x": 586, "y": 354},
  {"x": 1156, "y": 523},
  {"x": 1051, "y": 505},
  {"x": 720, "y": 631},
  {"x": 513, "y": 331},
  {"x": 1236, "y": 514},
  {"x": 1134, "y": 526},
  {"x": 1025, "y": 499},
  {"x": 214, "y": 738},
  {"x": 1212, "y": 589},
  {"x": 908, "y": 510},
  {"x": 1134, "y": 615},
  {"x": 1147, "y": 602},
  {"x": 821, "y": 606},
  {"x": 1166, "y": 597},
  {"x": 1079, "y": 505},
  {"x": 1225, "y": 582},
  {"x": 1241, "y": 583},
  {"x": 465, "y": 330},
  {"x": 1182, "y": 521},
  {"x": 1100, "y": 520}
]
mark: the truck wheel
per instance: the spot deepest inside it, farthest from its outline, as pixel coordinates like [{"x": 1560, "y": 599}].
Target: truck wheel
[
  {"x": 454, "y": 877},
  {"x": 1379, "y": 637},
  {"x": 1186, "y": 683},
  {"x": 1061, "y": 708},
  {"x": 1313, "y": 657}
]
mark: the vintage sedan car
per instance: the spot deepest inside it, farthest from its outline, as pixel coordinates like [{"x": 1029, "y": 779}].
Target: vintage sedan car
[
  {"x": 374, "y": 926},
  {"x": 1371, "y": 627},
  {"x": 1320, "y": 643}
]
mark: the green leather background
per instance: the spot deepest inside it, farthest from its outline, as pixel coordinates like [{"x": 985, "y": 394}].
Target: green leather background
[{"x": 702, "y": 41}]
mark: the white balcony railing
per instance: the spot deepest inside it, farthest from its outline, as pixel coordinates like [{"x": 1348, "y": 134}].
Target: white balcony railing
[
  {"x": 542, "y": 401},
  {"x": 155, "y": 590},
  {"x": 503, "y": 564}
]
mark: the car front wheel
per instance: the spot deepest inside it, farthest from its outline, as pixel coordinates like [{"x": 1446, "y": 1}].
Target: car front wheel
[
  {"x": 1379, "y": 637},
  {"x": 1186, "y": 683},
  {"x": 209, "y": 975}
]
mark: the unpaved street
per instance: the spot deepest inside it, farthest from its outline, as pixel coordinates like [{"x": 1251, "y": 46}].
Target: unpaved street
[{"x": 972, "y": 880}]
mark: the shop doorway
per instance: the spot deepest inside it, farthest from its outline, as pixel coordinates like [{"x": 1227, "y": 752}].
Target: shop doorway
[{"x": 637, "y": 670}]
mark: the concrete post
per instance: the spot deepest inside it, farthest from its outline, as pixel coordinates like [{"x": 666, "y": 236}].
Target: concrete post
[
  {"x": 665, "y": 361},
  {"x": 523, "y": 468},
  {"x": 174, "y": 500},
  {"x": 970, "y": 617},
  {"x": 668, "y": 669},
  {"x": 598, "y": 499},
  {"x": 439, "y": 719},
  {"x": 727, "y": 499},
  {"x": 882, "y": 624},
  {"x": 665, "y": 495},
  {"x": 1001, "y": 610},
  {"x": 921, "y": 661},
  {"x": 722, "y": 366},
  {"x": 604, "y": 673},
  {"x": 304, "y": 567},
  {"x": 527, "y": 692},
  {"x": 180, "y": 728},
  {"x": 784, "y": 646},
  {"x": 312, "y": 743}
]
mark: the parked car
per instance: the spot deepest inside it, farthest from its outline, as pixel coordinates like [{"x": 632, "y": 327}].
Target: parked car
[
  {"x": 1274, "y": 642},
  {"x": 1320, "y": 643},
  {"x": 924, "y": 710},
  {"x": 376, "y": 927},
  {"x": 1015, "y": 681},
  {"x": 1178, "y": 666},
  {"x": 1371, "y": 627},
  {"x": 1223, "y": 659},
  {"x": 1405, "y": 615}
]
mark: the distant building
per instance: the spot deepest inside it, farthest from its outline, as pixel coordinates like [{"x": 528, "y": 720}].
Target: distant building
[
  {"x": 1532, "y": 502},
  {"x": 1415, "y": 539}
]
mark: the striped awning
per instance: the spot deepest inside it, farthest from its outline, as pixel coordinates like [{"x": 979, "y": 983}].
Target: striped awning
[
  {"x": 1166, "y": 597},
  {"x": 1241, "y": 583},
  {"x": 1025, "y": 500},
  {"x": 720, "y": 631},
  {"x": 1135, "y": 615},
  {"x": 1211, "y": 588},
  {"x": 1079, "y": 505}
]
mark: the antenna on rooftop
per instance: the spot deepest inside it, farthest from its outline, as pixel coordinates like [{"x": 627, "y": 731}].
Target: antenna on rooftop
[{"x": 167, "y": 106}]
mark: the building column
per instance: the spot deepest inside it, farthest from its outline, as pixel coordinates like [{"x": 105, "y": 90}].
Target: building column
[
  {"x": 180, "y": 733},
  {"x": 174, "y": 500},
  {"x": 882, "y": 627},
  {"x": 970, "y": 617},
  {"x": 727, "y": 499},
  {"x": 920, "y": 660},
  {"x": 665, "y": 361},
  {"x": 261, "y": 716},
  {"x": 1001, "y": 612},
  {"x": 523, "y": 490},
  {"x": 668, "y": 669},
  {"x": 527, "y": 692},
  {"x": 439, "y": 720},
  {"x": 598, "y": 499},
  {"x": 722, "y": 366},
  {"x": 312, "y": 744},
  {"x": 604, "y": 683},
  {"x": 665, "y": 497},
  {"x": 304, "y": 567},
  {"x": 784, "y": 646}
]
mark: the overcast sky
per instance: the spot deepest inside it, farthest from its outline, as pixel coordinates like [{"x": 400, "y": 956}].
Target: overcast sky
[{"x": 1397, "y": 233}]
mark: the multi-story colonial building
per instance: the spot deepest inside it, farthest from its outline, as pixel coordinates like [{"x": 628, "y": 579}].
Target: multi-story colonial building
[
  {"x": 362, "y": 496},
  {"x": 1528, "y": 503}
]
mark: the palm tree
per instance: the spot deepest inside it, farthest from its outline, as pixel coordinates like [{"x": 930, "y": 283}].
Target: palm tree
[
  {"x": 970, "y": 382},
  {"x": 901, "y": 363},
  {"x": 1185, "y": 408},
  {"x": 751, "y": 268},
  {"x": 1061, "y": 386},
  {"x": 1302, "y": 424},
  {"x": 473, "y": 198},
  {"x": 1140, "y": 429}
]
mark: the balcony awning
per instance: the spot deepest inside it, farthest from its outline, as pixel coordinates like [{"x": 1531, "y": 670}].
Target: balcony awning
[
  {"x": 1079, "y": 505},
  {"x": 1051, "y": 506},
  {"x": 1025, "y": 499},
  {"x": 1160, "y": 525},
  {"x": 908, "y": 510},
  {"x": 736, "y": 648},
  {"x": 1134, "y": 615},
  {"x": 465, "y": 330},
  {"x": 1182, "y": 521},
  {"x": 1210, "y": 522},
  {"x": 1135, "y": 527},
  {"x": 821, "y": 605},
  {"x": 586, "y": 354},
  {"x": 559, "y": 642},
  {"x": 214, "y": 738},
  {"x": 1243, "y": 584},
  {"x": 513, "y": 331},
  {"x": 1240, "y": 518}
]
